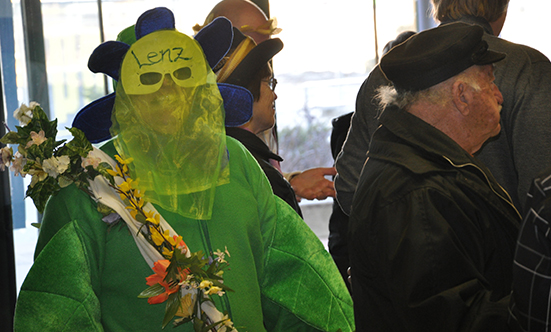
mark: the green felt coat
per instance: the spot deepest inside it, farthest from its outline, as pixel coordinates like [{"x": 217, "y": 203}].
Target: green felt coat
[{"x": 87, "y": 275}]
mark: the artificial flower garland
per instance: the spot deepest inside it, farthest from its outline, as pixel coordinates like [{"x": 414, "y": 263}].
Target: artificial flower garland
[{"x": 185, "y": 280}]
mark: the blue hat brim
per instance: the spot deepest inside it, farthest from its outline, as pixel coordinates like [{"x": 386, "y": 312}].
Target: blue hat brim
[{"x": 94, "y": 119}]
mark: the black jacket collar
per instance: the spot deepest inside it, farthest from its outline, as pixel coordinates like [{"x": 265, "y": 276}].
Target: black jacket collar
[
  {"x": 253, "y": 143},
  {"x": 474, "y": 20},
  {"x": 411, "y": 142}
]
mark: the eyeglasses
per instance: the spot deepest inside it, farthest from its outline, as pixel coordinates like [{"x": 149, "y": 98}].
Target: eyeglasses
[{"x": 272, "y": 82}]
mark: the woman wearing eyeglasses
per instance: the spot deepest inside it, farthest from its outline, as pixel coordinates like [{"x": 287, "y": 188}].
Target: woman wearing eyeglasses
[{"x": 247, "y": 65}]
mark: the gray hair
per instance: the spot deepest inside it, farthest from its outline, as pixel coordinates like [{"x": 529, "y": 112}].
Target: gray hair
[
  {"x": 449, "y": 10},
  {"x": 438, "y": 94}
]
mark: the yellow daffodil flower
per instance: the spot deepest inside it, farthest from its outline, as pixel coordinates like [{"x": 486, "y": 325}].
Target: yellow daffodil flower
[
  {"x": 153, "y": 218},
  {"x": 175, "y": 240},
  {"x": 167, "y": 253},
  {"x": 126, "y": 186},
  {"x": 205, "y": 283},
  {"x": 214, "y": 290},
  {"x": 112, "y": 172},
  {"x": 133, "y": 211},
  {"x": 123, "y": 161},
  {"x": 157, "y": 237}
]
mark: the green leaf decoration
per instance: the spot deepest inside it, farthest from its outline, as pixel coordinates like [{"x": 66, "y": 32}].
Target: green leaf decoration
[
  {"x": 41, "y": 192},
  {"x": 172, "y": 305},
  {"x": 181, "y": 321},
  {"x": 41, "y": 122},
  {"x": 11, "y": 137},
  {"x": 64, "y": 181},
  {"x": 198, "y": 325},
  {"x": 104, "y": 209},
  {"x": 213, "y": 325},
  {"x": 79, "y": 145},
  {"x": 140, "y": 218},
  {"x": 152, "y": 291}
]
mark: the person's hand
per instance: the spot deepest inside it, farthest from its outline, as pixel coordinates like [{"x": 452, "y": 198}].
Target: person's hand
[{"x": 312, "y": 184}]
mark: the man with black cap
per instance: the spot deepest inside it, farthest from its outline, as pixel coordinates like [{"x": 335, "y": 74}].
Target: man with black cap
[
  {"x": 519, "y": 152},
  {"x": 432, "y": 234}
]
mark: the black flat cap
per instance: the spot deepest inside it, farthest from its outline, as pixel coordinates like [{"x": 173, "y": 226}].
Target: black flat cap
[{"x": 432, "y": 56}]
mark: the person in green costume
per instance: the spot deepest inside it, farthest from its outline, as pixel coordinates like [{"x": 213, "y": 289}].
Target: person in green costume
[{"x": 90, "y": 269}]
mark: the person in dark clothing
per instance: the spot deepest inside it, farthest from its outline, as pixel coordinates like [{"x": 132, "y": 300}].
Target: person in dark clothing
[
  {"x": 247, "y": 66},
  {"x": 532, "y": 269},
  {"x": 338, "y": 221},
  {"x": 431, "y": 233}
]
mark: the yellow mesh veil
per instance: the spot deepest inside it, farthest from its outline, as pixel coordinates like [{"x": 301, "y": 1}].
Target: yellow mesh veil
[{"x": 169, "y": 117}]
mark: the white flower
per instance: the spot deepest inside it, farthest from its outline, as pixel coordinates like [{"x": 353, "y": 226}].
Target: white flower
[
  {"x": 36, "y": 139},
  {"x": 25, "y": 113},
  {"x": 221, "y": 255},
  {"x": 33, "y": 104},
  {"x": 56, "y": 165},
  {"x": 91, "y": 160},
  {"x": 186, "y": 283},
  {"x": 6, "y": 155},
  {"x": 18, "y": 163}
]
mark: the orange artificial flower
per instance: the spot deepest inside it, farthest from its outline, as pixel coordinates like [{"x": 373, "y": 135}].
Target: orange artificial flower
[{"x": 159, "y": 267}]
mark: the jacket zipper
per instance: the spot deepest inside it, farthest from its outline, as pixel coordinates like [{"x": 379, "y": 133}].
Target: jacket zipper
[{"x": 506, "y": 199}]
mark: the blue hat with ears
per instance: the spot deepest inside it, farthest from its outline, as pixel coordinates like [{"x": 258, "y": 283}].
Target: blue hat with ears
[{"x": 215, "y": 39}]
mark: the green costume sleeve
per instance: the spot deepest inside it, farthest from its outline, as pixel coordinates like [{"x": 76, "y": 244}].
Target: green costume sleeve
[
  {"x": 65, "y": 301},
  {"x": 301, "y": 287},
  {"x": 301, "y": 282},
  {"x": 68, "y": 251}
]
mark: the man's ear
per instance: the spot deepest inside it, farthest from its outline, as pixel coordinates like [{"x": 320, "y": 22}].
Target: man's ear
[{"x": 461, "y": 97}]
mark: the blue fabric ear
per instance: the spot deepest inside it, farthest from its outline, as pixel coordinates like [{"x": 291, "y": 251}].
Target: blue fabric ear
[
  {"x": 107, "y": 58},
  {"x": 238, "y": 104},
  {"x": 95, "y": 119},
  {"x": 216, "y": 39},
  {"x": 159, "y": 18}
]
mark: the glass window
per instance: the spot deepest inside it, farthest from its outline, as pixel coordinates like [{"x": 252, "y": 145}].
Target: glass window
[
  {"x": 525, "y": 19},
  {"x": 330, "y": 48}
]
